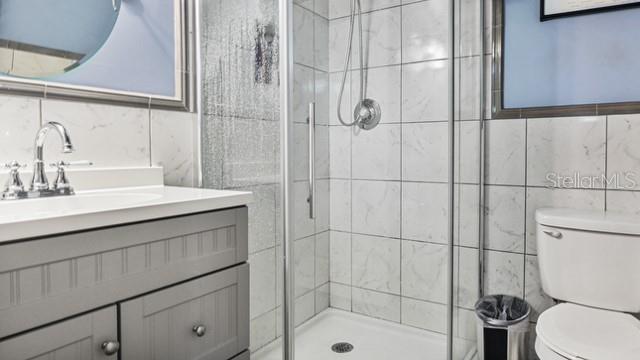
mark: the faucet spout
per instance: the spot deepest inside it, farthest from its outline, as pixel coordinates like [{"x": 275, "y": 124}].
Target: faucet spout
[{"x": 39, "y": 181}]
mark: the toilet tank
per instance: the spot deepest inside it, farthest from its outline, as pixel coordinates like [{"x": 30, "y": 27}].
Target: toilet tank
[{"x": 590, "y": 257}]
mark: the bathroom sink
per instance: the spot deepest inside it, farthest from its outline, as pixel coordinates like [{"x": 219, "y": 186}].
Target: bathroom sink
[{"x": 20, "y": 219}]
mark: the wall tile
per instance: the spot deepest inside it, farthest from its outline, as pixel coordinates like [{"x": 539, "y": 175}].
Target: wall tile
[
  {"x": 376, "y": 304},
  {"x": 420, "y": 102},
  {"x": 623, "y": 201},
  {"x": 382, "y": 36},
  {"x": 467, "y": 165},
  {"x": 623, "y": 151},
  {"x": 322, "y": 258},
  {"x": 565, "y": 146},
  {"x": 322, "y": 298},
  {"x": 263, "y": 330},
  {"x": 376, "y": 153},
  {"x": 424, "y": 315},
  {"x": 383, "y": 85},
  {"x": 173, "y": 147},
  {"x": 506, "y": 152},
  {"x": 424, "y": 212},
  {"x": 424, "y": 271},
  {"x": 505, "y": 218},
  {"x": 19, "y": 121},
  {"x": 106, "y": 135},
  {"x": 504, "y": 273},
  {"x": 262, "y": 221},
  {"x": 466, "y": 276},
  {"x": 322, "y": 152},
  {"x": 534, "y": 294},
  {"x": 322, "y": 205},
  {"x": 346, "y": 111},
  {"x": 376, "y": 263},
  {"x": 340, "y": 296},
  {"x": 466, "y": 217},
  {"x": 263, "y": 282},
  {"x": 320, "y": 41},
  {"x": 376, "y": 208},
  {"x": 340, "y": 205},
  {"x": 340, "y": 257},
  {"x": 303, "y": 23},
  {"x": 467, "y": 100},
  {"x": 338, "y": 40},
  {"x": 424, "y": 152},
  {"x": 322, "y": 87},
  {"x": 305, "y": 308},
  {"x": 304, "y": 265},
  {"x": 425, "y": 31},
  {"x": 340, "y": 152},
  {"x": 559, "y": 198},
  {"x": 303, "y": 92}
]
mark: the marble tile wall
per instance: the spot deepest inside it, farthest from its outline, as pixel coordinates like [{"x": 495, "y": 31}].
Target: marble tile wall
[
  {"x": 388, "y": 196},
  {"x": 388, "y": 187},
  {"x": 105, "y": 134}
]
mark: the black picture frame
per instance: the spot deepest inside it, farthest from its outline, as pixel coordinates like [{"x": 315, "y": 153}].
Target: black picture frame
[{"x": 544, "y": 17}]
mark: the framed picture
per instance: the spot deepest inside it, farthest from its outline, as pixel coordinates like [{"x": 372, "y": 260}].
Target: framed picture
[{"x": 552, "y": 9}]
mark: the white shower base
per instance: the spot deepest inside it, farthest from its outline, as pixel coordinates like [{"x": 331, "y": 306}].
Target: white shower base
[{"x": 372, "y": 339}]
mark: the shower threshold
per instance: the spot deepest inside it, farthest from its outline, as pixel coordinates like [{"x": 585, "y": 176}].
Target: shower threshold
[{"x": 372, "y": 339}]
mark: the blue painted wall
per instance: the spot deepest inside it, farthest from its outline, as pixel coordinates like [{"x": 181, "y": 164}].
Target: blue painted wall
[
  {"x": 579, "y": 60},
  {"x": 70, "y": 25},
  {"x": 138, "y": 56}
]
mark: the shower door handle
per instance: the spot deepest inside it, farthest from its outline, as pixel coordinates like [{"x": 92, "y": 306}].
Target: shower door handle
[{"x": 312, "y": 162}]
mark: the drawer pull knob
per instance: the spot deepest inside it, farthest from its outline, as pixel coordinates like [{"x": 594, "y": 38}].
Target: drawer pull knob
[
  {"x": 200, "y": 330},
  {"x": 110, "y": 347}
]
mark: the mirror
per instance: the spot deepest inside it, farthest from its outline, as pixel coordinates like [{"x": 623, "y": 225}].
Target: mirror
[{"x": 43, "y": 38}]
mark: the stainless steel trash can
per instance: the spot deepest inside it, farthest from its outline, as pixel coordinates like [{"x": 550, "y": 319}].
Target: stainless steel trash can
[{"x": 503, "y": 327}]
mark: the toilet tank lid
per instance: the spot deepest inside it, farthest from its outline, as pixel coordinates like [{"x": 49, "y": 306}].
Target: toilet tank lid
[{"x": 590, "y": 220}]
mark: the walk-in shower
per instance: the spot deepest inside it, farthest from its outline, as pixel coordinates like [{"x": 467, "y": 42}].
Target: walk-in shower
[
  {"x": 369, "y": 238},
  {"x": 367, "y": 112}
]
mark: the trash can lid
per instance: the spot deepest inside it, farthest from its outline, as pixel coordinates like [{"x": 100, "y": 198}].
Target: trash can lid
[{"x": 502, "y": 310}]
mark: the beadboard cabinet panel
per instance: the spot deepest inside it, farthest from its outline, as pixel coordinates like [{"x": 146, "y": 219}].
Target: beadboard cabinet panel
[
  {"x": 161, "y": 325},
  {"x": 79, "y": 338},
  {"x": 45, "y": 280}
]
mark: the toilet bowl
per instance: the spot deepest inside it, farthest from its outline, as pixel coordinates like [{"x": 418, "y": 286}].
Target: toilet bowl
[{"x": 589, "y": 260}]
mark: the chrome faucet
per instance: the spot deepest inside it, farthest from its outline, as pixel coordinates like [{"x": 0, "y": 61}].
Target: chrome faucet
[
  {"x": 39, "y": 181},
  {"x": 40, "y": 186}
]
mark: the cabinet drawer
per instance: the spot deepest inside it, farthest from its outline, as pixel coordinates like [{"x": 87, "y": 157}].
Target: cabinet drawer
[
  {"x": 163, "y": 325},
  {"x": 45, "y": 280},
  {"x": 80, "y": 338}
]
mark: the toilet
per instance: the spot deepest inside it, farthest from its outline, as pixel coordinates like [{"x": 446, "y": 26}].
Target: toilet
[{"x": 589, "y": 261}]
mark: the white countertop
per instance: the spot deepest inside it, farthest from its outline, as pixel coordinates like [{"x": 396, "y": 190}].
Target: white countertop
[{"x": 21, "y": 219}]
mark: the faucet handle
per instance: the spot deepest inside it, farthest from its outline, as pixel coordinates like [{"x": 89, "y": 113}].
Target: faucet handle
[
  {"x": 14, "y": 165},
  {"x": 62, "y": 182},
  {"x": 14, "y": 186}
]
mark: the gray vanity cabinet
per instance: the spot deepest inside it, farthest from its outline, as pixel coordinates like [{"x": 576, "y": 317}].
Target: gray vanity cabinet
[
  {"x": 205, "y": 318},
  {"x": 64, "y": 296},
  {"x": 80, "y": 338}
]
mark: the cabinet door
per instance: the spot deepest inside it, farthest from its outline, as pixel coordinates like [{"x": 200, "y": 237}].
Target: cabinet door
[
  {"x": 206, "y": 318},
  {"x": 80, "y": 338}
]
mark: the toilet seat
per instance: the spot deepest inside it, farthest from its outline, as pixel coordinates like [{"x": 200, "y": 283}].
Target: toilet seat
[{"x": 579, "y": 332}]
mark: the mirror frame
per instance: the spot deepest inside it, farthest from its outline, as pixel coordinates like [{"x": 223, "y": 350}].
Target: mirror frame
[
  {"x": 498, "y": 111},
  {"x": 186, "y": 81}
]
